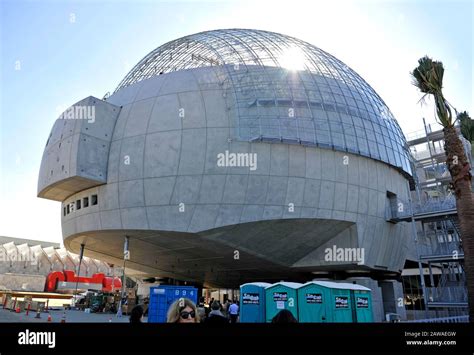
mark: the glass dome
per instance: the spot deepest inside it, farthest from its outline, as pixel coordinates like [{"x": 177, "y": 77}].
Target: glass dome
[{"x": 287, "y": 90}]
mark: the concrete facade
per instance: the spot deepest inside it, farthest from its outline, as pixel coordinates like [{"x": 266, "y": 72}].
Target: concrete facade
[
  {"x": 159, "y": 162},
  {"x": 189, "y": 218}
]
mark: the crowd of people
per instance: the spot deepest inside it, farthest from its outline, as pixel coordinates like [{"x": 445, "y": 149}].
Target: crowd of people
[{"x": 184, "y": 310}]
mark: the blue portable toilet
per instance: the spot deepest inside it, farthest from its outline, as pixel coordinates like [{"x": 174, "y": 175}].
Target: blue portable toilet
[
  {"x": 161, "y": 298},
  {"x": 281, "y": 295},
  {"x": 252, "y": 302}
]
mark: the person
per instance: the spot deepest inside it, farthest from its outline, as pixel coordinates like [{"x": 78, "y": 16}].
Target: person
[
  {"x": 208, "y": 309},
  {"x": 284, "y": 316},
  {"x": 233, "y": 312},
  {"x": 216, "y": 316},
  {"x": 136, "y": 315},
  {"x": 201, "y": 309},
  {"x": 183, "y": 310}
]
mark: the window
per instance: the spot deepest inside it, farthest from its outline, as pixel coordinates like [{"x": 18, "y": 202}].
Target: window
[
  {"x": 85, "y": 201},
  {"x": 68, "y": 210},
  {"x": 64, "y": 211},
  {"x": 78, "y": 204},
  {"x": 93, "y": 200}
]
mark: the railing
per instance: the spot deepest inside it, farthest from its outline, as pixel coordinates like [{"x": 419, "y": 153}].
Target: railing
[
  {"x": 401, "y": 209},
  {"x": 447, "y": 294}
]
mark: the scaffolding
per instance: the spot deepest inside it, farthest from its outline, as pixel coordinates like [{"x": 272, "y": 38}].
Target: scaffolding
[{"x": 435, "y": 227}]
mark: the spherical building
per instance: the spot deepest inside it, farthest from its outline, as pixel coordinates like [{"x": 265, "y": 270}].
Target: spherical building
[{"x": 230, "y": 156}]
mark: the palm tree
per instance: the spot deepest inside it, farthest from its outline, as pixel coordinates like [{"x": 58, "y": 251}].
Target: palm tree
[
  {"x": 467, "y": 126},
  {"x": 428, "y": 78}
]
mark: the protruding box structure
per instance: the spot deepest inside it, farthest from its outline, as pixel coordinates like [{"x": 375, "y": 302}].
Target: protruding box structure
[{"x": 77, "y": 150}]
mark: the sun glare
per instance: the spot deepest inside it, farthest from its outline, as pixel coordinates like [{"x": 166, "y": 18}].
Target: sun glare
[{"x": 292, "y": 58}]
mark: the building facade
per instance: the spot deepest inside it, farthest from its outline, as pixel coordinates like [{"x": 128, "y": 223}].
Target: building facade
[{"x": 235, "y": 155}]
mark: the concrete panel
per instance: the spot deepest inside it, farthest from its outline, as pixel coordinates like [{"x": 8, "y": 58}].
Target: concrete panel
[
  {"x": 235, "y": 188},
  {"x": 212, "y": 188},
  {"x": 277, "y": 187},
  {"x": 170, "y": 218},
  {"x": 373, "y": 202},
  {"x": 313, "y": 163},
  {"x": 158, "y": 191},
  {"x": 179, "y": 81},
  {"x": 263, "y": 154},
  {"x": 110, "y": 219},
  {"x": 165, "y": 114},
  {"x": 121, "y": 122},
  {"x": 217, "y": 144},
  {"x": 186, "y": 190},
  {"x": 272, "y": 212},
  {"x": 257, "y": 189},
  {"x": 193, "y": 152},
  {"x": 130, "y": 162},
  {"x": 297, "y": 164},
  {"x": 251, "y": 213},
  {"x": 114, "y": 161},
  {"x": 352, "y": 198},
  {"x": 228, "y": 215},
  {"x": 311, "y": 193},
  {"x": 216, "y": 109},
  {"x": 194, "y": 112},
  {"x": 162, "y": 153},
  {"x": 295, "y": 191},
  {"x": 204, "y": 218},
  {"x": 328, "y": 164},
  {"x": 364, "y": 172},
  {"x": 279, "y": 160},
  {"x": 341, "y": 167},
  {"x": 150, "y": 88},
  {"x": 88, "y": 222},
  {"x": 138, "y": 118},
  {"x": 340, "y": 196},
  {"x": 363, "y": 200},
  {"x": 131, "y": 193},
  {"x": 307, "y": 212},
  {"x": 134, "y": 218},
  {"x": 108, "y": 195},
  {"x": 326, "y": 197},
  {"x": 353, "y": 169}
]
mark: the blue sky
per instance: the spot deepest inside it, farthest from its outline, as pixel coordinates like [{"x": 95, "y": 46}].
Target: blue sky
[{"x": 54, "y": 53}]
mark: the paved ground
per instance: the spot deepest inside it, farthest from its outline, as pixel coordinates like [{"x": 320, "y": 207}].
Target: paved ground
[{"x": 6, "y": 316}]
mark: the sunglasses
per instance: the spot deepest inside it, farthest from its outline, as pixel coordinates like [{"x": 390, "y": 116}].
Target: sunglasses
[{"x": 185, "y": 314}]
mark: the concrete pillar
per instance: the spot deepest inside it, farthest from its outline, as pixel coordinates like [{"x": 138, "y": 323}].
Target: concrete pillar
[{"x": 393, "y": 299}]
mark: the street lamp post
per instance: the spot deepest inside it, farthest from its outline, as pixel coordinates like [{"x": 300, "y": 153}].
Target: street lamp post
[{"x": 81, "y": 255}]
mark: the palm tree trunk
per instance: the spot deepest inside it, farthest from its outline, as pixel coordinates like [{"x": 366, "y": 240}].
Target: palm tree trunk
[{"x": 461, "y": 179}]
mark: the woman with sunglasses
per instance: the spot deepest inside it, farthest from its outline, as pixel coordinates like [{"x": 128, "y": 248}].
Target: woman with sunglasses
[{"x": 183, "y": 310}]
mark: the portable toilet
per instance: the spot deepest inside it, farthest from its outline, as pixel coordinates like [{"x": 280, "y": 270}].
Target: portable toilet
[
  {"x": 281, "y": 295},
  {"x": 363, "y": 304},
  {"x": 161, "y": 298},
  {"x": 332, "y": 302},
  {"x": 252, "y": 302}
]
